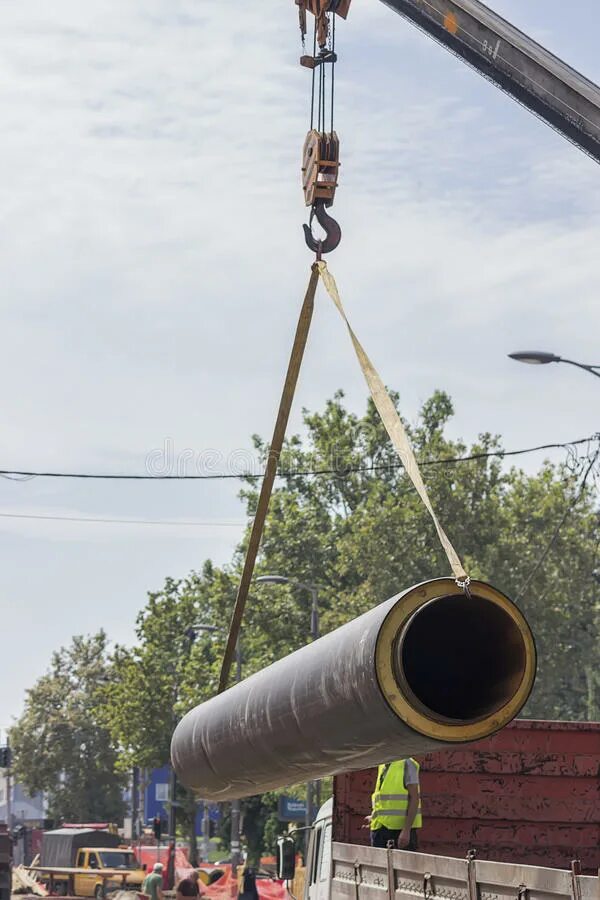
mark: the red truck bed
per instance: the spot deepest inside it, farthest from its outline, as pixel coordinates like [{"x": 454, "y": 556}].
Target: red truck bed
[{"x": 530, "y": 794}]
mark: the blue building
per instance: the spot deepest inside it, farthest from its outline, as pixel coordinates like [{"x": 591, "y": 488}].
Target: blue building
[{"x": 156, "y": 796}]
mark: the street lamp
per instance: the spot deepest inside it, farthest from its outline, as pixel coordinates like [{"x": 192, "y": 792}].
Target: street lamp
[
  {"x": 192, "y": 633},
  {"x": 313, "y": 589},
  {"x": 541, "y": 358}
]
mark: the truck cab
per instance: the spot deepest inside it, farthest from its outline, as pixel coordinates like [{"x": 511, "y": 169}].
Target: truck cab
[
  {"x": 87, "y": 862},
  {"x": 318, "y": 855},
  {"x": 101, "y": 869},
  {"x": 317, "y": 882}
]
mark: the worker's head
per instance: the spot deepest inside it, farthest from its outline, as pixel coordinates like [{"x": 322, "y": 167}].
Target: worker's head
[{"x": 157, "y": 867}]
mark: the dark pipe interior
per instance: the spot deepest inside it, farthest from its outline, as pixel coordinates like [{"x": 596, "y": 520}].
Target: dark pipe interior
[{"x": 462, "y": 658}]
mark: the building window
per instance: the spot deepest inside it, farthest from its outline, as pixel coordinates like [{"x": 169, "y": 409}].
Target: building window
[{"x": 162, "y": 792}]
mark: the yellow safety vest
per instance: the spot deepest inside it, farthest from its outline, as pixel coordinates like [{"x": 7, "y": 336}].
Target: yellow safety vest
[{"x": 390, "y": 800}]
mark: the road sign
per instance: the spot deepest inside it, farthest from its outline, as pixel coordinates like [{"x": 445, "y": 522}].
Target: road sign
[{"x": 291, "y": 809}]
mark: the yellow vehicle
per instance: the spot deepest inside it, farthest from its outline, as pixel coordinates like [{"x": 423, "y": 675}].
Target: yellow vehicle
[
  {"x": 102, "y": 869},
  {"x": 87, "y": 863}
]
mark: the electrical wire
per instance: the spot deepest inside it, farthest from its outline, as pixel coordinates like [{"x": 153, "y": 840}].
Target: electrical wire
[
  {"x": 103, "y": 521},
  {"x": 221, "y": 524},
  {"x": 340, "y": 471},
  {"x": 557, "y": 530}
]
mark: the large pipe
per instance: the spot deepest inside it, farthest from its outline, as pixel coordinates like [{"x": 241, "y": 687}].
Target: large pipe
[{"x": 427, "y": 669}]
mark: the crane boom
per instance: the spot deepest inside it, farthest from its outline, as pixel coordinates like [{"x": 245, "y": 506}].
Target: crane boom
[{"x": 540, "y": 81}]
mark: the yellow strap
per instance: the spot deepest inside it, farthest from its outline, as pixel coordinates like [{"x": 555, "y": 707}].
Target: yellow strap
[
  {"x": 285, "y": 405},
  {"x": 393, "y": 424}
]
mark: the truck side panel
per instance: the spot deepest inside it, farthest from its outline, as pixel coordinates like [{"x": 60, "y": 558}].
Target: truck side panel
[
  {"x": 364, "y": 873},
  {"x": 530, "y": 794}
]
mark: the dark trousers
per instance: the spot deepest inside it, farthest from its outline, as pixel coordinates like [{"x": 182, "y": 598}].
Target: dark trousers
[{"x": 381, "y": 836}]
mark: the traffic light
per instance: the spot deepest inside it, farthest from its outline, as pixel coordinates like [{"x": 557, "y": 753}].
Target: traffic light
[
  {"x": 5, "y": 757},
  {"x": 157, "y": 827}
]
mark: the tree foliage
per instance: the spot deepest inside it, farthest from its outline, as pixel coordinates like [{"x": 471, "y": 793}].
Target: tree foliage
[
  {"x": 364, "y": 535},
  {"x": 168, "y": 670},
  {"x": 60, "y": 744},
  {"x": 359, "y": 531}
]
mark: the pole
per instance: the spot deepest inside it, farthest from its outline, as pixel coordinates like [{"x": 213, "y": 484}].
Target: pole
[
  {"x": 592, "y": 369},
  {"x": 135, "y": 802},
  {"x": 172, "y": 825},
  {"x": 206, "y": 831},
  {"x": 143, "y": 804},
  {"x": 308, "y": 820},
  {"x": 8, "y": 787},
  {"x": 235, "y": 804},
  {"x": 235, "y": 836},
  {"x": 172, "y": 828},
  {"x": 313, "y": 789},
  {"x": 315, "y": 631}
]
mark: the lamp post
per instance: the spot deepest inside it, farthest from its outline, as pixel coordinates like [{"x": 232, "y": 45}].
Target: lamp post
[
  {"x": 313, "y": 589},
  {"x": 541, "y": 358},
  {"x": 190, "y": 634},
  {"x": 235, "y": 804},
  {"x": 591, "y": 671},
  {"x": 236, "y": 856}
]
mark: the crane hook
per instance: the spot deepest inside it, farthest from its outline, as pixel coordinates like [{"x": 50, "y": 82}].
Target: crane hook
[{"x": 331, "y": 228}]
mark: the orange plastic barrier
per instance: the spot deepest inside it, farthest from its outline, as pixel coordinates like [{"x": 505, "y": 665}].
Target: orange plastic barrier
[{"x": 226, "y": 888}]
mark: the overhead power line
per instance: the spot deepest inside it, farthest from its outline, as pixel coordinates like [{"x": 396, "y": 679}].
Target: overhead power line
[
  {"x": 340, "y": 471},
  {"x": 173, "y": 522}
]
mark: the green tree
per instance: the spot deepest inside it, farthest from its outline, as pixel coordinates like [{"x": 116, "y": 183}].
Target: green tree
[
  {"x": 61, "y": 746},
  {"x": 364, "y": 535},
  {"x": 174, "y": 666},
  {"x": 258, "y": 818},
  {"x": 360, "y": 532},
  {"x": 171, "y": 668}
]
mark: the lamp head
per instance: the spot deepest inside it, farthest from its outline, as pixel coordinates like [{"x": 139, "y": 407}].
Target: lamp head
[
  {"x": 534, "y": 357},
  {"x": 272, "y": 579}
]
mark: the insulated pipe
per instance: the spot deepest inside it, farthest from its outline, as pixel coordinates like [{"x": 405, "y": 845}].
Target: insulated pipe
[{"x": 430, "y": 668}]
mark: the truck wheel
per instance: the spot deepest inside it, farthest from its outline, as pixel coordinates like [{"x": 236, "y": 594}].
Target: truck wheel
[{"x": 99, "y": 892}]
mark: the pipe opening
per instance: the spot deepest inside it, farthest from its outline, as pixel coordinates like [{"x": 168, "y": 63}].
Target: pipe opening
[{"x": 460, "y": 659}]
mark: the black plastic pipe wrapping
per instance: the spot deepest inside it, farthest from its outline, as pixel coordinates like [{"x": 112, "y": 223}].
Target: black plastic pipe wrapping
[{"x": 427, "y": 669}]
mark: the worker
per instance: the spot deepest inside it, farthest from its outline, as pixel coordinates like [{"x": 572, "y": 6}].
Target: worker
[
  {"x": 396, "y": 809},
  {"x": 153, "y": 883},
  {"x": 189, "y": 886}
]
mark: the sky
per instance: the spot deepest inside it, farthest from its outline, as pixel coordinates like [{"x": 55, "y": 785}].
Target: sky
[{"x": 153, "y": 265}]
